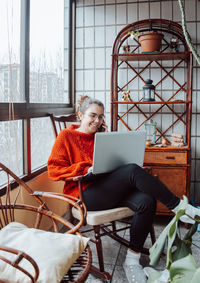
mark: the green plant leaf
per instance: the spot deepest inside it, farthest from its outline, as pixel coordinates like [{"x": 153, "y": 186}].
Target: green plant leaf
[
  {"x": 182, "y": 249},
  {"x": 183, "y": 270},
  {"x": 154, "y": 276}
]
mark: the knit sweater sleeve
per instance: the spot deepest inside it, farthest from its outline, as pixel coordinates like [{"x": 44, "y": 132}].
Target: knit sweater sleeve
[{"x": 59, "y": 163}]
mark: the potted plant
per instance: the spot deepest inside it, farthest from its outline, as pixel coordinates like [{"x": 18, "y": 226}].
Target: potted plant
[
  {"x": 180, "y": 264},
  {"x": 150, "y": 41}
]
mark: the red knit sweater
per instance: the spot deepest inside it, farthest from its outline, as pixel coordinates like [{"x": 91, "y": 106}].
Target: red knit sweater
[{"x": 71, "y": 155}]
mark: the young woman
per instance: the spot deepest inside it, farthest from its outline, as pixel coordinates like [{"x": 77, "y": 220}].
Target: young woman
[{"x": 129, "y": 185}]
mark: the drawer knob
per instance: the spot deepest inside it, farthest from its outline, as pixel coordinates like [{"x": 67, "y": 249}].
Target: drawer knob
[{"x": 170, "y": 157}]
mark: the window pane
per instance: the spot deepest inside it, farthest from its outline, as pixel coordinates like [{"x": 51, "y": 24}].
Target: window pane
[
  {"x": 47, "y": 51},
  {"x": 42, "y": 139},
  {"x": 11, "y": 147},
  {"x": 10, "y": 51}
]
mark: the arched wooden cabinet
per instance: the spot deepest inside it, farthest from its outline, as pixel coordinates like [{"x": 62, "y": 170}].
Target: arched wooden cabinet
[{"x": 171, "y": 72}]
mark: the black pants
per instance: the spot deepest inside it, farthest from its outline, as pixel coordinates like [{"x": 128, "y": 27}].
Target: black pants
[{"x": 130, "y": 186}]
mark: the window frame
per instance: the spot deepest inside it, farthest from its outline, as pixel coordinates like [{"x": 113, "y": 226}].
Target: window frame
[{"x": 26, "y": 111}]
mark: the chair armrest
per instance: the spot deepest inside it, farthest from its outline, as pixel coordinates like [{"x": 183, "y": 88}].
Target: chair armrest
[
  {"x": 73, "y": 202},
  {"x": 19, "y": 257},
  {"x": 78, "y": 179}
]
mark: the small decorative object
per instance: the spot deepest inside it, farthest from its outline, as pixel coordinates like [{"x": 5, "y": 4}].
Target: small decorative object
[
  {"x": 133, "y": 34},
  {"x": 164, "y": 141},
  {"x": 177, "y": 140},
  {"x": 148, "y": 143},
  {"x": 126, "y": 95},
  {"x": 150, "y": 128},
  {"x": 173, "y": 44},
  {"x": 151, "y": 41},
  {"x": 126, "y": 48},
  {"x": 149, "y": 91}
]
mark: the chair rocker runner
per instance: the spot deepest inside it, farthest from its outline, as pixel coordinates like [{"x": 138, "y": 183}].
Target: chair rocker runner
[
  {"x": 23, "y": 198},
  {"x": 99, "y": 219}
]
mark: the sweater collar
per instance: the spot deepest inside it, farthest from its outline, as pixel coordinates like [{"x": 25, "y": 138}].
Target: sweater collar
[{"x": 73, "y": 128}]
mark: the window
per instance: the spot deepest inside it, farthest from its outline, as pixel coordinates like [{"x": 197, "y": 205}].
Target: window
[
  {"x": 34, "y": 79},
  {"x": 41, "y": 134},
  {"x": 47, "y": 51},
  {"x": 10, "y": 51}
]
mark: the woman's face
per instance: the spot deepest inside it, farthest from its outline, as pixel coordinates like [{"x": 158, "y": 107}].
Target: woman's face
[{"x": 92, "y": 119}]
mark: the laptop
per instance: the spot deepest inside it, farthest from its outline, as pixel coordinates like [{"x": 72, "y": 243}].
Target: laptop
[{"x": 114, "y": 149}]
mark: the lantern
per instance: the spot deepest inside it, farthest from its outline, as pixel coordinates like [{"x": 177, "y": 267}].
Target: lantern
[{"x": 149, "y": 91}]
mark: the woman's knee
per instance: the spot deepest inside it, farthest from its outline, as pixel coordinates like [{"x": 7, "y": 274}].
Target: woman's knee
[{"x": 147, "y": 203}]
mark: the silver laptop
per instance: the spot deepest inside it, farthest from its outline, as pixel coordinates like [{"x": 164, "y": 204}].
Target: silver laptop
[{"x": 114, "y": 149}]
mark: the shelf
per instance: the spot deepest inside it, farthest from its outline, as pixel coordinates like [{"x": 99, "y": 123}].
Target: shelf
[
  {"x": 152, "y": 56},
  {"x": 152, "y": 102}
]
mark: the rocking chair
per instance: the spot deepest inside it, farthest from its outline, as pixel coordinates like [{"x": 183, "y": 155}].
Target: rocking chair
[{"x": 40, "y": 216}]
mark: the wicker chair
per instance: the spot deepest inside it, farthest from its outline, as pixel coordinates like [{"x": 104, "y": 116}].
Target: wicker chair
[
  {"x": 34, "y": 204},
  {"x": 103, "y": 222}
]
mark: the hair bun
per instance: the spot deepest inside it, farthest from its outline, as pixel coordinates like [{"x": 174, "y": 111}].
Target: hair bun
[{"x": 81, "y": 100}]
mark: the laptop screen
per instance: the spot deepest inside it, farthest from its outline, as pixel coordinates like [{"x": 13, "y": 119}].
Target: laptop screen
[{"x": 114, "y": 149}]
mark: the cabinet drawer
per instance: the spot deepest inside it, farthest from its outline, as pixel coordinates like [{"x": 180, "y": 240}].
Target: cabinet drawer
[{"x": 166, "y": 157}]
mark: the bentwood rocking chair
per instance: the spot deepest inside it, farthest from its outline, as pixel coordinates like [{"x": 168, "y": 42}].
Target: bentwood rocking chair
[
  {"x": 24, "y": 249},
  {"x": 103, "y": 222}
]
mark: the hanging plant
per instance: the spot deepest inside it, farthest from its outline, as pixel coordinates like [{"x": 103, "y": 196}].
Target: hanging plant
[{"x": 186, "y": 33}]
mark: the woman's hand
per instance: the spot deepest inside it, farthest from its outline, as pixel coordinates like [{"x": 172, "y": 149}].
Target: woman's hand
[
  {"x": 90, "y": 169},
  {"x": 104, "y": 127}
]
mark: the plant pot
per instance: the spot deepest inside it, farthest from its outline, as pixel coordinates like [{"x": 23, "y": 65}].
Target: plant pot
[{"x": 151, "y": 41}]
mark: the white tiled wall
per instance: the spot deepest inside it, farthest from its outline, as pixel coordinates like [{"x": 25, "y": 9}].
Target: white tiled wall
[{"x": 97, "y": 24}]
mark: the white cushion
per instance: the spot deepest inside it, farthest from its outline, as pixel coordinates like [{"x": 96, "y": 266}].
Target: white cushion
[
  {"x": 54, "y": 253},
  {"x": 104, "y": 216}
]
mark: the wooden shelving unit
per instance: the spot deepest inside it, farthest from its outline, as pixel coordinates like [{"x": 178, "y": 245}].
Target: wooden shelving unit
[{"x": 170, "y": 164}]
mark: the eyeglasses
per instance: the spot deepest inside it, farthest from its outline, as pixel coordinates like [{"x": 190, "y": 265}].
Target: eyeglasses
[{"x": 94, "y": 116}]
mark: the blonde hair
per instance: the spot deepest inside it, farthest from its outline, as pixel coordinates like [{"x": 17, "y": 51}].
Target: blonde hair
[{"x": 85, "y": 101}]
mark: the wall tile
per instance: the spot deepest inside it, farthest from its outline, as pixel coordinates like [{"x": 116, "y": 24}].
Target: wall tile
[
  {"x": 99, "y": 15},
  {"x": 198, "y": 32},
  {"x": 155, "y": 10},
  {"x": 101, "y": 96},
  {"x": 99, "y": 36},
  {"x": 89, "y": 58},
  {"x": 79, "y": 58},
  {"x": 197, "y": 171},
  {"x": 193, "y": 147},
  {"x": 191, "y": 27},
  {"x": 88, "y": 2},
  {"x": 79, "y": 17},
  {"x": 79, "y": 80},
  {"x": 193, "y": 125},
  {"x": 193, "y": 169},
  {"x": 89, "y": 37},
  {"x": 121, "y": 14},
  {"x": 110, "y": 1},
  {"x": 110, "y": 35},
  {"x": 197, "y": 147},
  {"x": 143, "y": 11},
  {"x": 89, "y": 80},
  {"x": 132, "y": 13},
  {"x": 166, "y": 10},
  {"x": 190, "y": 10},
  {"x": 79, "y": 37},
  {"x": 108, "y": 82},
  {"x": 89, "y": 16},
  {"x": 110, "y": 15},
  {"x": 108, "y": 57},
  {"x": 198, "y": 10},
  {"x": 99, "y": 80},
  {"x": 198, "y": 124},
  {"x": 176, "y": 12},
  {"x": 99, "y": 58}
]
